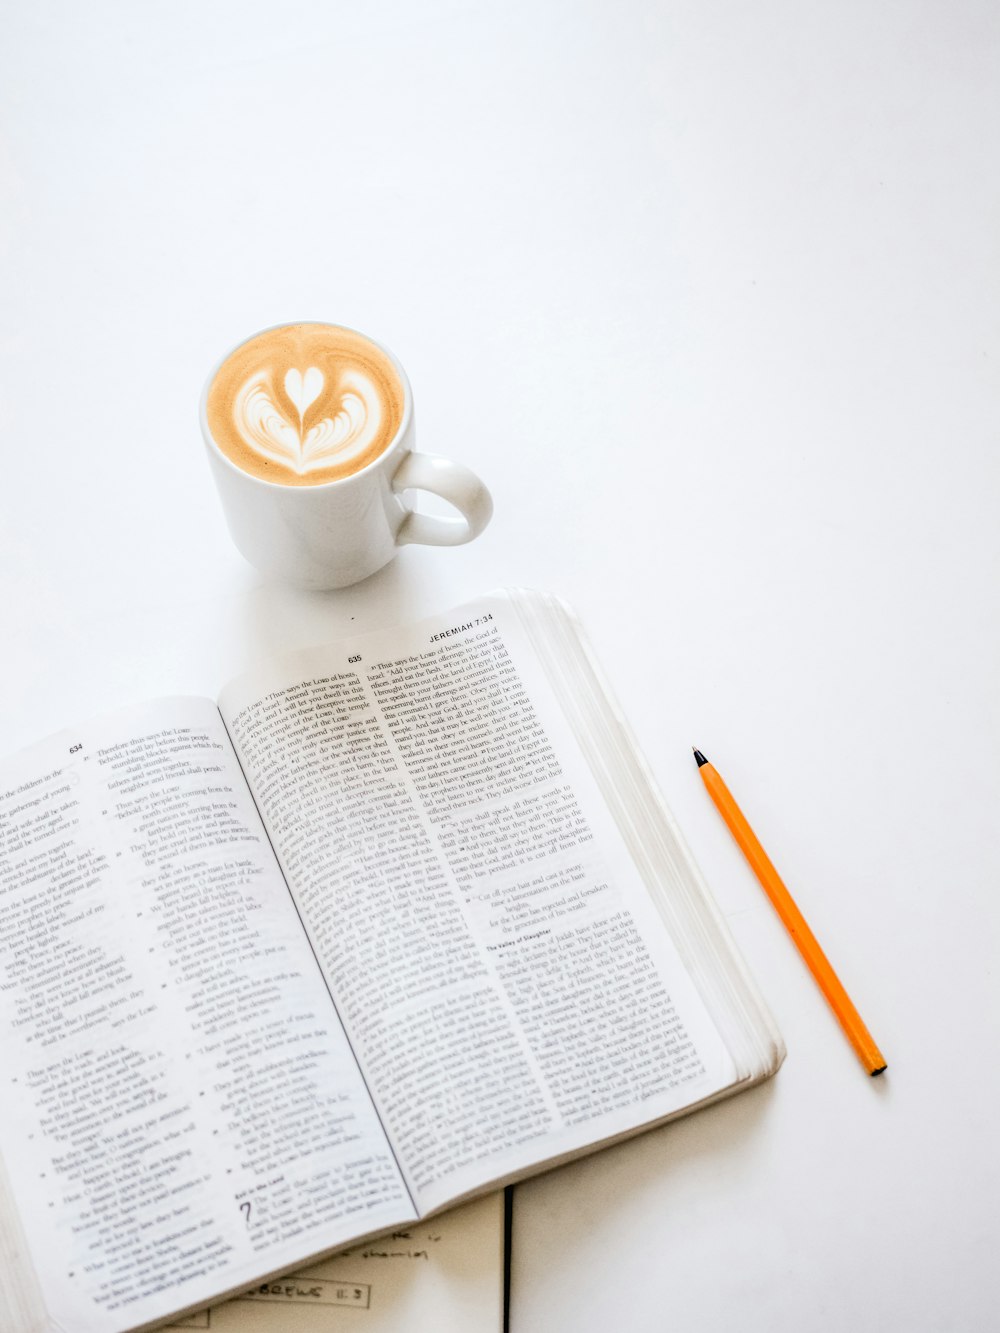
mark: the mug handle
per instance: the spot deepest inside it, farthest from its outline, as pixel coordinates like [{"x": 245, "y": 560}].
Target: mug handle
[{"x": 452, "y": 482}]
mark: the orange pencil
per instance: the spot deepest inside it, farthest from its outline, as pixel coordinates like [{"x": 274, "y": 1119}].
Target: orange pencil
[{"x": 783, "y": 903}]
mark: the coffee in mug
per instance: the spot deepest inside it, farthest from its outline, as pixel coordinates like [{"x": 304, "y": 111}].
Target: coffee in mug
[
  {"x": 305, "y": 404},
  {"x": 309, "y": 429}
]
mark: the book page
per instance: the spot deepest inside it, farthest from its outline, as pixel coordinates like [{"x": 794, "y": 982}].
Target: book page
[
  {"x": 441, "y": 1276},
  {"x": 180, "y": 1108},
  {"x": 508, "y": 986}
]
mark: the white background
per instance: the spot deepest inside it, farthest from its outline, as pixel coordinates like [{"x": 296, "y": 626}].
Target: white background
[{"x": 707, "y": 292}]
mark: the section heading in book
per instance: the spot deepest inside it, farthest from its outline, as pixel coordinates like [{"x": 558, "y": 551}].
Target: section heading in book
[{"x": 462, "y": 629}]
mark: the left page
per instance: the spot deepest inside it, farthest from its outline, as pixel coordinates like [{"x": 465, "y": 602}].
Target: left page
[{"x": 181, "y": 1111}]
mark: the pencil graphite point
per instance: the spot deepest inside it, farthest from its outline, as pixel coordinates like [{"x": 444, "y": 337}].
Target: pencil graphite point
[{"x": 699, "y": 757}]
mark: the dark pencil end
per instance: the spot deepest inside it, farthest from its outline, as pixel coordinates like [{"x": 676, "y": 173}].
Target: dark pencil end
[
  {"x": 881, "y": 1070},
  {"x": 699, "y": 757}
]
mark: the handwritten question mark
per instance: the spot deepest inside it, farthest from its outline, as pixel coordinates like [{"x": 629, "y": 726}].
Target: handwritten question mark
[{"x": 247, "y": 1207}]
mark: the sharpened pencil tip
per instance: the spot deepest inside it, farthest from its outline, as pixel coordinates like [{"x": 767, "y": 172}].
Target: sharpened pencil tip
[{"x": 699, "y": 757}]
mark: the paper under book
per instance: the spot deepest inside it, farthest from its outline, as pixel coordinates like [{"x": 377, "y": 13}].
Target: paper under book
[
  {"x": 397, "y": 921},
  {"x": 441, "y": 1275}
]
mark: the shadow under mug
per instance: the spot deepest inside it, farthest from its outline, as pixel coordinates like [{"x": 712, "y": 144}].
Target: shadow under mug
[{"x": 338, "y": 532}]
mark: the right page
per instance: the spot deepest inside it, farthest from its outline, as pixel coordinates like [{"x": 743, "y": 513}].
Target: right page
[{"x": 511, "y": 981}]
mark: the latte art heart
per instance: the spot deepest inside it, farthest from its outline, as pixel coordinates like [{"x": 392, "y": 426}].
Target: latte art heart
[
  {"x": 305, "y": 404},
  {"x": 347, "y": 434},
  {"x": 303, "y": 390}
]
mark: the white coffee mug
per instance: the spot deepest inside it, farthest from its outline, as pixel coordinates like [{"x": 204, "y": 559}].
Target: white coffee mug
[{"x": 335, "y": 533}]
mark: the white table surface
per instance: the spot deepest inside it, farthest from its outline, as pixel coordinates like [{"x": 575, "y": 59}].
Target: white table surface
[{"x": 708, "y": 293}]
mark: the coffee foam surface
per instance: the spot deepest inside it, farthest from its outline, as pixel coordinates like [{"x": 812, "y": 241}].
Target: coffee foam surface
[{"x": 305, "y": 403}]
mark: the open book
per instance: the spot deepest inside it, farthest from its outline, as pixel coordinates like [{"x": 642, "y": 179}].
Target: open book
[{"x": 397, "y": 921}]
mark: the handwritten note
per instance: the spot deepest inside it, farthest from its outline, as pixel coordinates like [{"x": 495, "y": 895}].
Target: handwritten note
[{"x": 441, "y": 1276}]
